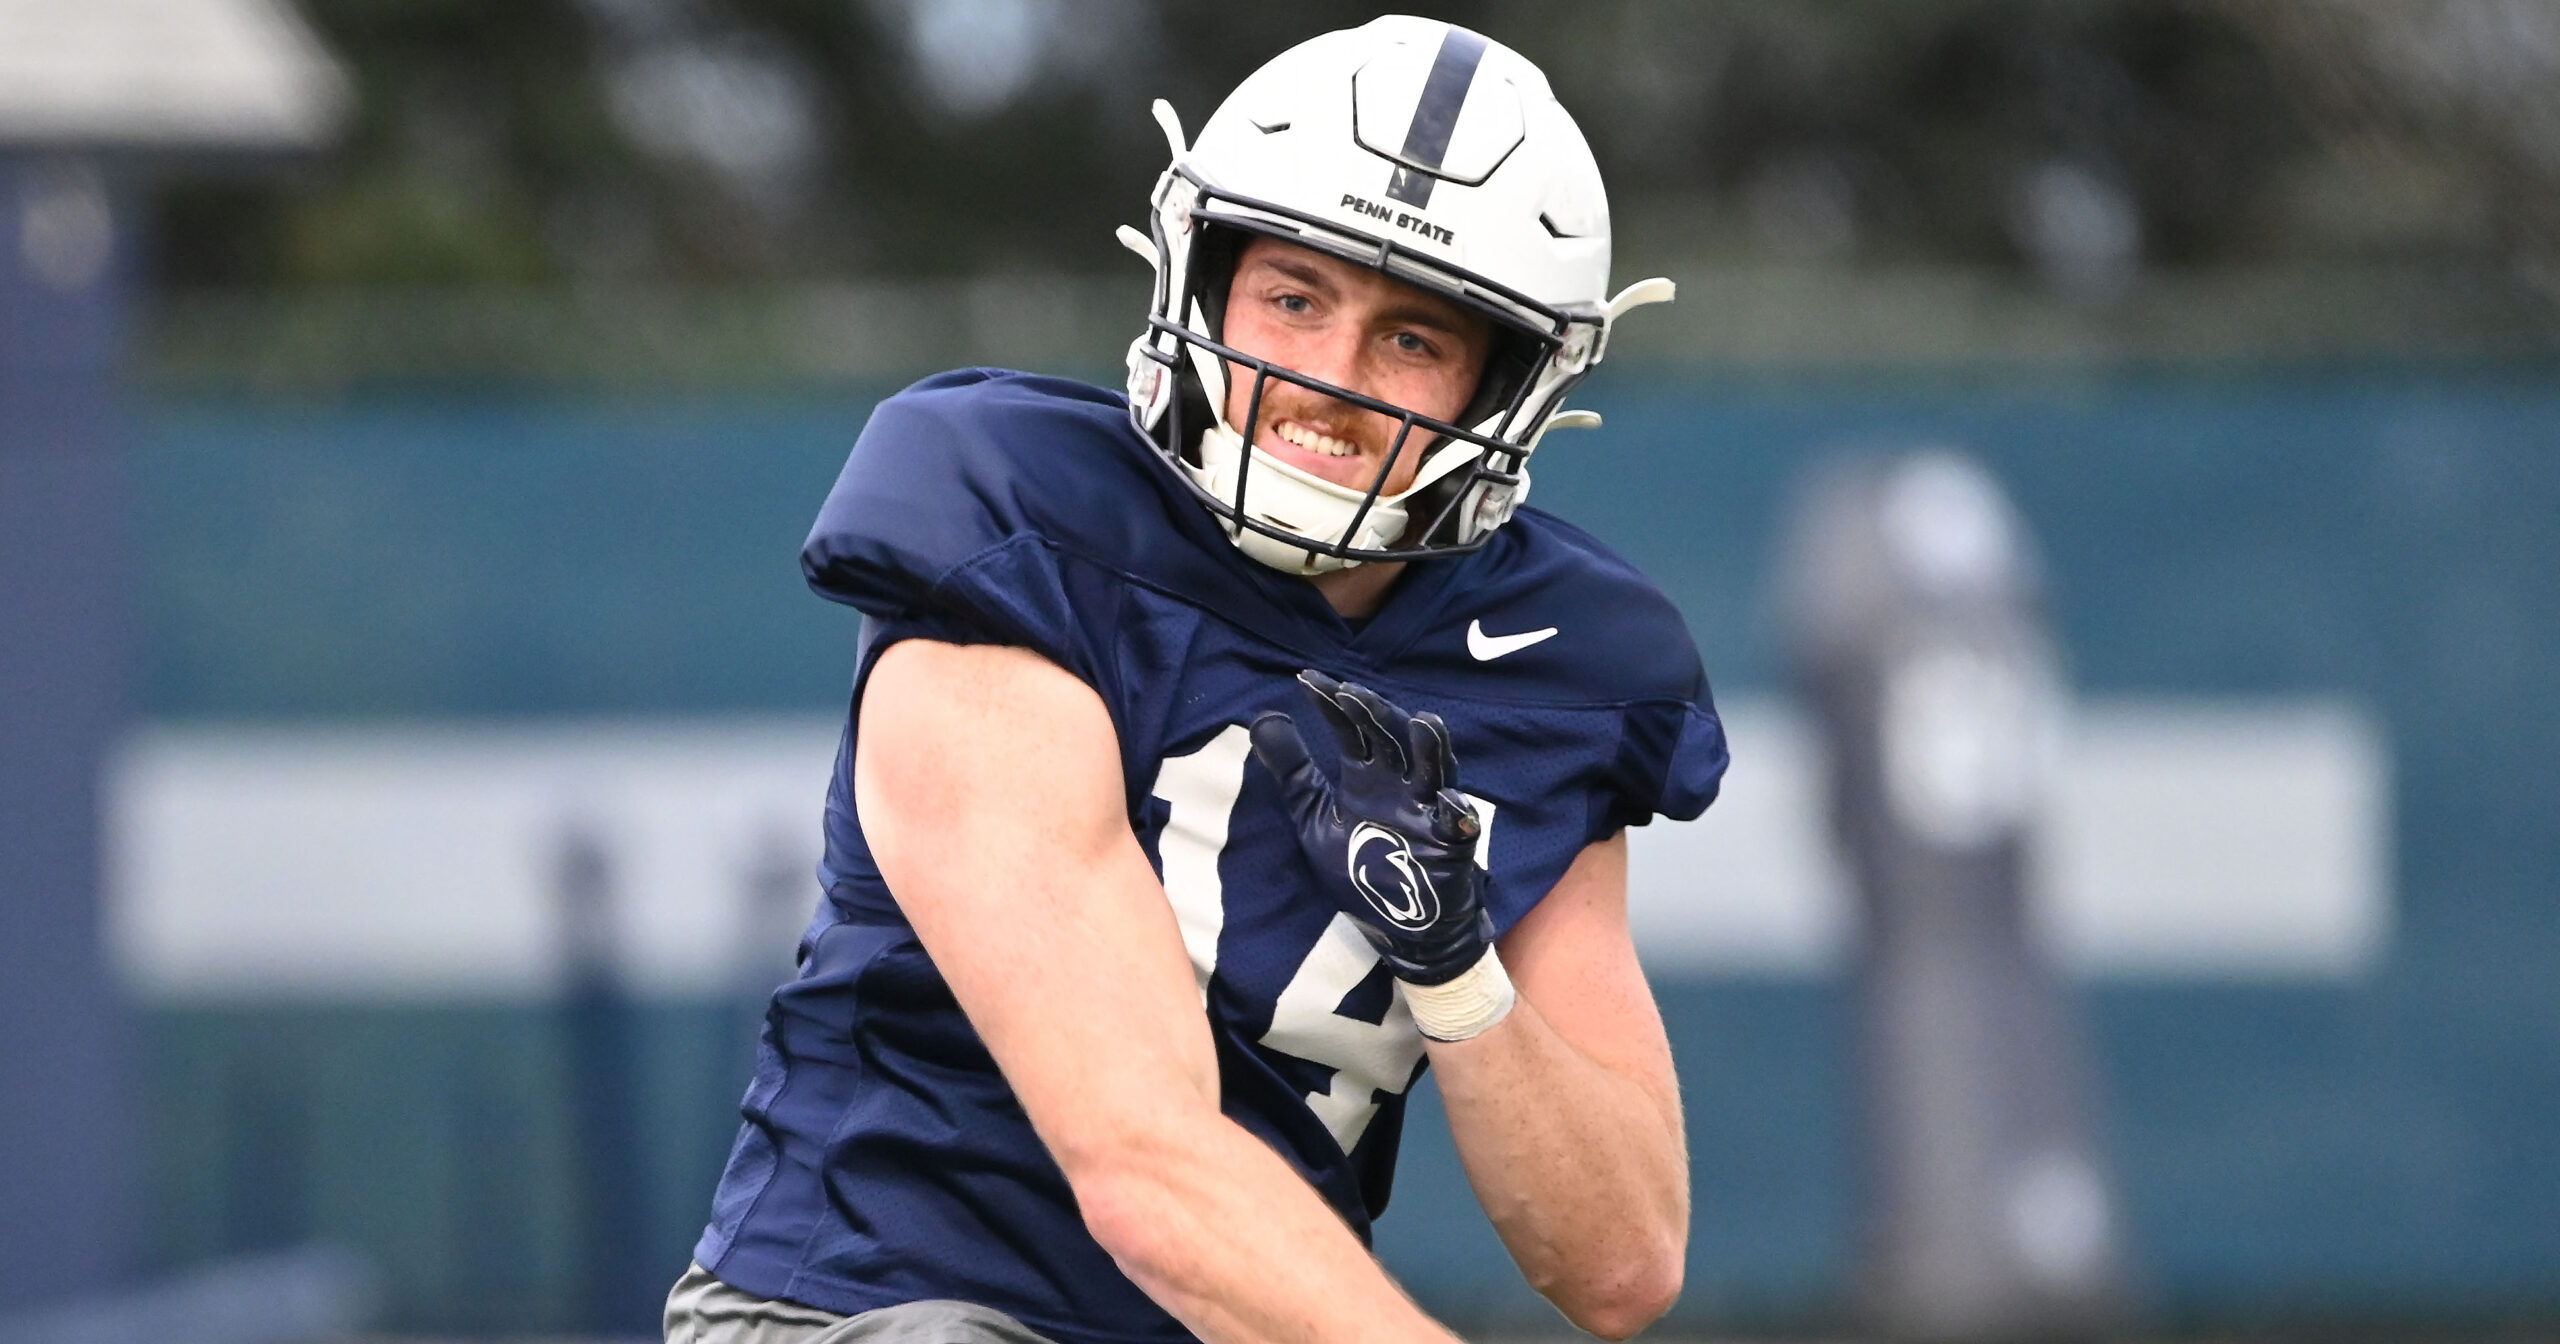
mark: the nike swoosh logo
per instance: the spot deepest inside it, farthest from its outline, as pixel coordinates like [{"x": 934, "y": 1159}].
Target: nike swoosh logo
[{"x": 1486, "y": 647}]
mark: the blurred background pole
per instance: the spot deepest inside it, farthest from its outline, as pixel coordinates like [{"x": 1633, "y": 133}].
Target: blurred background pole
[
  {"x": 1918, "y": 634},
  {"x": 621, "y": 1295},
  {"x": 84, "y": 88},
  {"x": 64, "y": 280}
]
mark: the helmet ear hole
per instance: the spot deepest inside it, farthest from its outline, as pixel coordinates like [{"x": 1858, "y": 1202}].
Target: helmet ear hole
[
  {"x": 1515, "y": 358},
  {"x": 1211, "y": 269},
  {"x": 1192, "y": 413},
  {"x": 1216, "y": 248}
]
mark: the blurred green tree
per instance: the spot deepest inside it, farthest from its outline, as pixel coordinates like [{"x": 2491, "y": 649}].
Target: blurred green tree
[{"x": 713, "y": 141}]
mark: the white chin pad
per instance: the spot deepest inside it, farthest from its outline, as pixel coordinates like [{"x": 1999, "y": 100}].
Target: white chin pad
[{"x": 1307, "y": 505}]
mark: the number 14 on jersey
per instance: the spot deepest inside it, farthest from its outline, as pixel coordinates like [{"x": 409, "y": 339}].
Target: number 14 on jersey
[{"x": 1199, "y": 791}]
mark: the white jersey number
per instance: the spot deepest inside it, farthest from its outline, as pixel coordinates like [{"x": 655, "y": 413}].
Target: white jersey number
[{"x": 1368, "y": 1058}]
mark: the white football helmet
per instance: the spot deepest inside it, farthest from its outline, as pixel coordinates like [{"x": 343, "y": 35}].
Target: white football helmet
[{"x": 1440, "y": 158}]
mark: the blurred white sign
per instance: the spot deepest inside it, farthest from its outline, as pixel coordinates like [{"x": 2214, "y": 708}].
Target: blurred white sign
[
  {"x": 410, "y": 862},
  {"x": 2245, "y": 840},
  {"x": 2193, "y": 838},
  {"x": 226, "y": 74}
]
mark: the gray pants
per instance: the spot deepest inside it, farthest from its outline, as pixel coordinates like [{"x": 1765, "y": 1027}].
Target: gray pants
[{"x": 703, "y": 1310}]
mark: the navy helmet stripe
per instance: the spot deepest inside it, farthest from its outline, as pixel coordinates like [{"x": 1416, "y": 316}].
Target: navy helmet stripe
[{"x": 1435, "y": 116}]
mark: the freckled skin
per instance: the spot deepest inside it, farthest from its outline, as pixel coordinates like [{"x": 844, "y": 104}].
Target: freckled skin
[{"x": 1355, "y": 328}]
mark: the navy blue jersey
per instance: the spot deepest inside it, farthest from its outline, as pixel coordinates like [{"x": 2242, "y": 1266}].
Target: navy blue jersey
[{"x": 883, "y": 1158}]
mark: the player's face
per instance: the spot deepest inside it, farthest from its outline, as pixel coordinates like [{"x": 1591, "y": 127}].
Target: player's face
[{"x": 1352, "y": 327}]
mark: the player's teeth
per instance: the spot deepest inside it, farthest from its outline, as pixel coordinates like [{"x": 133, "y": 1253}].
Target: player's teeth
[{"x": 1323, "y": 445}]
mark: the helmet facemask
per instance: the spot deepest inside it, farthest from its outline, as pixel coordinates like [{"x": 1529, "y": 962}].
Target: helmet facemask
[{"x": 1474, "y": 468}]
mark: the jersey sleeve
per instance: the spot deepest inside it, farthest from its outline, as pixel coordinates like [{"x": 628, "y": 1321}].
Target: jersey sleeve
[
  {"x": 929, "y": 484},
  {"x": 1671, "y": 762},
  {"x": 1020, "y": 593},
  {"x": 983, "y": 507},
  {"x": 931, "y": 529},
  {"x": 1026, "y": 594}
]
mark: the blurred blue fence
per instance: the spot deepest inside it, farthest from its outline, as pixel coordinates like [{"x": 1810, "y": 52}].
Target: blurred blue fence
[{"x": 2382, "y": 1146}]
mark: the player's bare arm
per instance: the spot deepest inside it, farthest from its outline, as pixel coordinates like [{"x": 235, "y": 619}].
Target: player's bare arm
[
  {"x": 1567, "y": 1114},
  {"x": 1567, "y": 1117},
  {"x": 988, "y": 781}
]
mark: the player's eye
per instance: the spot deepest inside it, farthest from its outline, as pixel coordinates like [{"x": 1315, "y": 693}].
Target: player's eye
[
  {"x": 1413, "y": 343},
  {"x": 1294, "y": 303}
]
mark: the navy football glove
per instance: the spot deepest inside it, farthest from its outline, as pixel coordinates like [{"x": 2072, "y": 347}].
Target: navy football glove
[{"x": 1394, "y": 843}]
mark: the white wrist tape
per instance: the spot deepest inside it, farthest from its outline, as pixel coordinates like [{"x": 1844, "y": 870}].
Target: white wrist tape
[{"x": 1464, "y": 1007}]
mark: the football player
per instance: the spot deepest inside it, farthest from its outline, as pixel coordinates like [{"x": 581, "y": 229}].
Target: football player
[{"x": 1222, "y": 756}]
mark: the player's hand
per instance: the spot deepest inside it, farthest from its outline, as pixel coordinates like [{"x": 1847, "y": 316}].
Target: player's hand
[{"x": 1394, "y": 842}]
